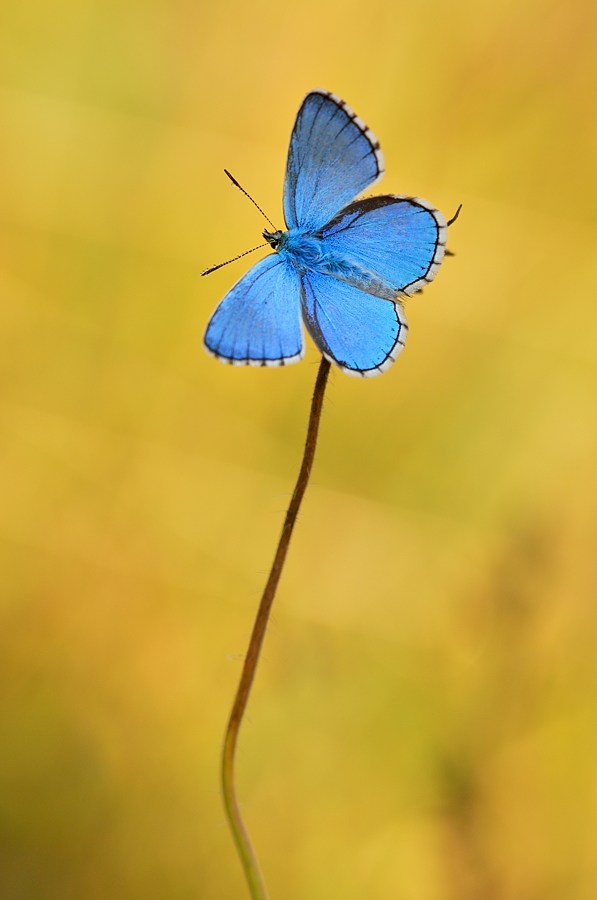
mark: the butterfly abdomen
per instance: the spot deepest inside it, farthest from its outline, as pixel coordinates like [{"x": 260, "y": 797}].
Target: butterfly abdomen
[{"x": 349, "y": 271}]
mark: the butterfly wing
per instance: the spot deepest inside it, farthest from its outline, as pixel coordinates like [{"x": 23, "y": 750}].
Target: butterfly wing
[
  {"x": 401, "y": 240},
  {"x": 387, "y": 242},
  {"x": 332, "y": 157},
  {"x": 258, "y": 322},
  {"x": 360, "y": 333}
]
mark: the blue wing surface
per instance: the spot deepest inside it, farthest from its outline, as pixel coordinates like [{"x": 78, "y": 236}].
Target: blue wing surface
[
  {"x": 332, "y": 157},
  {"x": 258, "y": 322},
  {"x": 401, "y": 240},
  {"x": 360, "y": 333}
]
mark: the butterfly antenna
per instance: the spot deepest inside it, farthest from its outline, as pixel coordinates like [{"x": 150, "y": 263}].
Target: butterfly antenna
[
  {"x": 455, "y": 216},
  {"x": 450, "y": 222},
  {"x": 241, "y": 188},
  {"x": 234, "y": 258}
]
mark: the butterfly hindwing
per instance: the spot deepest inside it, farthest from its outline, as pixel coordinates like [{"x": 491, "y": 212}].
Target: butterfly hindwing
[
  {"x": 332, "y": 157},
  {"x": 399, "y": 239},
  {"x": 360, "y": 333},
  {"x": 258, "y": 322}
]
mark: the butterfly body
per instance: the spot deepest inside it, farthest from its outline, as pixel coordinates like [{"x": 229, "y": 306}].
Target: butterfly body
[
  {"x": 308, "y": 253},
  {"x": 342, "y": 266}
]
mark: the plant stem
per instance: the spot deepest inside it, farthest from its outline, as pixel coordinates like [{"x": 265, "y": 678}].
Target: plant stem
[{"x": 241, "y": 837}]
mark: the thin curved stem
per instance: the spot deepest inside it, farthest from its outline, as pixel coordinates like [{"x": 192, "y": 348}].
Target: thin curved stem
[{"x": 241, "y": 837}]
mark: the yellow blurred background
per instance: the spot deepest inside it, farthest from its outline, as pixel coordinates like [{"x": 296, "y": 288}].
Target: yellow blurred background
[{"x": 423, "y": 725}]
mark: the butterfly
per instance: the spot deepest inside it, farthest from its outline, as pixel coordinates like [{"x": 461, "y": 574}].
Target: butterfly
[{"x": 342, "y": 266}]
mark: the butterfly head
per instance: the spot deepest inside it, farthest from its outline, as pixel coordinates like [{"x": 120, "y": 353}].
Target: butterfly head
[{"x": 273, "y": 238}]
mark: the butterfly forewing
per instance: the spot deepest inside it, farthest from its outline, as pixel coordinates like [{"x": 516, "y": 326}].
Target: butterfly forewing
[{"x": 332, "y": 158}]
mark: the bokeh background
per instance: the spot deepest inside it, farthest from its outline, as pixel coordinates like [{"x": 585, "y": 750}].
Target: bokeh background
[{"x": 423, "y": 724}]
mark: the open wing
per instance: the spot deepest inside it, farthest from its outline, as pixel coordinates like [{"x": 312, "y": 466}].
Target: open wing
[
  {"x": 401, "y": 240},
  {"x": 258, "y": 322},
  {"x": 360, "y": 333},
  {"x": 332, "y": 157}
]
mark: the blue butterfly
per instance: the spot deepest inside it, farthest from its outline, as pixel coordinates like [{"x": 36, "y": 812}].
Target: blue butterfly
[{"x": 343, "y": 265}]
